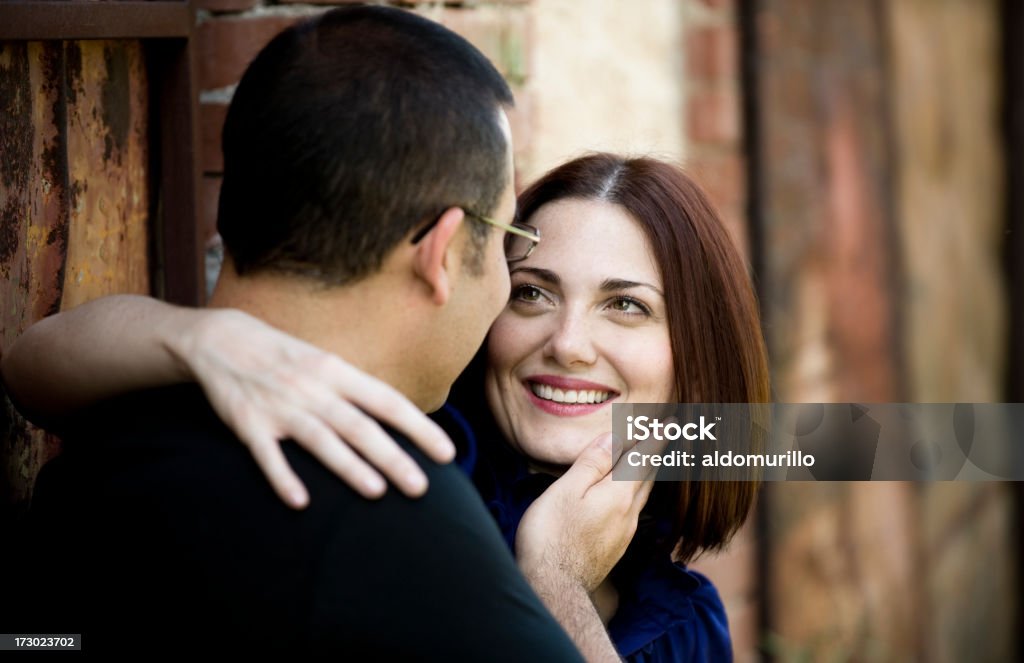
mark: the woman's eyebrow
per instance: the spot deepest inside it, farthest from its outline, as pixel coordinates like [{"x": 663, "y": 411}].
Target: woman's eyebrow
[
  {"x": 609, "y": 285},
  {"x": 543, "y": 274}
]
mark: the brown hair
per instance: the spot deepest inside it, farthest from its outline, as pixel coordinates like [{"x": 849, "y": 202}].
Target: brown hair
[{"x": 717, "y": 345}]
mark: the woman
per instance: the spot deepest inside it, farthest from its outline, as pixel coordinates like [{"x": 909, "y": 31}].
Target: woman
[{"x": 635, "y": 294}]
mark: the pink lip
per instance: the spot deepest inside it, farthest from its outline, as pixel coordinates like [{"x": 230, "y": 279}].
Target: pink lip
[
  {"x": 566, "y": 409},
  {"x": 559, "y": 382}
]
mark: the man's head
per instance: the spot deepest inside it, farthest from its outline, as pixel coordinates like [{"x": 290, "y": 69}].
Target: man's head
[
  {"x": 350, "y": 130},
  {"x": 348, "y": 136}
]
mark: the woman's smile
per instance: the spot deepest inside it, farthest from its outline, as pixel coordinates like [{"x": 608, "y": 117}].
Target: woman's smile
[{"x": 567, "y": 397}]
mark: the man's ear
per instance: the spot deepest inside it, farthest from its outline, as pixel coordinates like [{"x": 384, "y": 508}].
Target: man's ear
[{"x": 430, "y": 261}]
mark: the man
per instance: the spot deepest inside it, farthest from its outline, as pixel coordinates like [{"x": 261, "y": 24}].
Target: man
[{"x": 361, "y": 150}]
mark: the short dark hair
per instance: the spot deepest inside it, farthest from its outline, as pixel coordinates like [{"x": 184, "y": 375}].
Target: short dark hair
[
  {"x": 349, "y": 130},
  {"x": 718, "y": 349}
]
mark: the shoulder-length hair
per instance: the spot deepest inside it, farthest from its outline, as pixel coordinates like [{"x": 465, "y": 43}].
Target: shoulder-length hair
[{"x": 717, "y": 346}]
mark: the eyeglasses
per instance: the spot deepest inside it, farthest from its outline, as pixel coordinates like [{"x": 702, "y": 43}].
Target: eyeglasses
[{"x": 520, "y": 238}]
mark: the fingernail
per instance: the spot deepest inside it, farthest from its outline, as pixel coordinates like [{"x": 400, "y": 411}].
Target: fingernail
[
  {"x": 298, "y": 498},
  {"x": 416, "y": 482},
  {"x": 444, "y": 453},
  {"x": 606, "y": 442},
  {"x": 375, "y": 485}
]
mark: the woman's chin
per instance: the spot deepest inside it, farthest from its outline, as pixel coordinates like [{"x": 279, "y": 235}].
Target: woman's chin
[{"x": 562, "y": 456}]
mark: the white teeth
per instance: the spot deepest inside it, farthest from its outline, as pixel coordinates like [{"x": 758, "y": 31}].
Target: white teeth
[{"x": 549, "y": 393}]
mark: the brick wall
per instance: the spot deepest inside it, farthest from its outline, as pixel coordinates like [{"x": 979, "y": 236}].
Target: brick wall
[
  {"x": 715, "y": 157},
  {"x": 232, "y": 32},
  {"x": 714, "y": 114},
  {"x": 549, "y": 51}
]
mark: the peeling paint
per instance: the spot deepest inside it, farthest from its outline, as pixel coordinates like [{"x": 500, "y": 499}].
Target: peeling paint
[
  {"x": 73, "y": 69},
  {"x": 10, "y": 224},
  {"x": 74, "y": 201},
  {"x": 16, "y": 118},
  {"x": 115, "y": 97}
]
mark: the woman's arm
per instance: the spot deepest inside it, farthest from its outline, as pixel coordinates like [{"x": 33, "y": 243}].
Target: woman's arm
[
  {"x": 104, "y": 348},
  {"x": 266, "y": 385}
]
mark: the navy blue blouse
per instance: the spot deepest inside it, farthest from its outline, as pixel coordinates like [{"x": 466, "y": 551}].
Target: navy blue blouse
[{"x": 668, "y": 613}]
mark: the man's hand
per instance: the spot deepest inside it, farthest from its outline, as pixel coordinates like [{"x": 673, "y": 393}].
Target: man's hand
[
  {"x": 571, "y": 537},
  {"x": 581, "y": 526}
]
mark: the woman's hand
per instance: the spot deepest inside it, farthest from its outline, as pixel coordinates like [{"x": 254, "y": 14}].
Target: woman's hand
[
  {"x": 266, "y": 385},
  {"x": 269, "y": 386}
]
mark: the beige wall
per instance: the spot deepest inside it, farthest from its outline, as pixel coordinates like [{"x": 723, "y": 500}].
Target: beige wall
[{"x": 605, "y": 75}]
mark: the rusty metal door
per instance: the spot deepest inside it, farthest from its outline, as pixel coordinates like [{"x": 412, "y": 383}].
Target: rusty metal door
[{"x": 97, "y": 176}]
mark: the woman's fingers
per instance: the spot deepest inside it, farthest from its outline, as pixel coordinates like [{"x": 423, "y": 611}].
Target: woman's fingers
[
  {"x": 324, "y": 444},
  {"x": 275, "y": 386},
  {"x": 364, "y": 435},
  {"x": 387, "y": 404},
  {"x": 327, "y": 426},
  {"x": 268, "y": 456}
]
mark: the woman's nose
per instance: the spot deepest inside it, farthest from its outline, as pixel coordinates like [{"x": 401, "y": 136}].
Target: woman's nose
[{"x": 571, "y": 342}]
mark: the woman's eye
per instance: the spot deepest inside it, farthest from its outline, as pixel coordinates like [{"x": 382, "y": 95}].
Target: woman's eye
[
  {"x": 527, "y": 293},
  {"x": 629, "y": 306}
]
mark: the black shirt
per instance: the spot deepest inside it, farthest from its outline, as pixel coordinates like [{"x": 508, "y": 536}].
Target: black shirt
[{"x": 155, "y": 530}]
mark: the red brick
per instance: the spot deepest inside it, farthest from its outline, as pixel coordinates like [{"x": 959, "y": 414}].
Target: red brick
[
  {"x": 720, "y": 4},
  {"x": 714, "y": 116},
  {"x": 722, "y": 176},
  {"x": 228, "y": 45},
  {"x": 712, "y": 52},
  {"x": 225, "y": 5},
  {"x": 211, "y": 123}
]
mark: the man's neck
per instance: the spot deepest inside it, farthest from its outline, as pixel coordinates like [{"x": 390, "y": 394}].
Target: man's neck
[{"x": 361, "y": 323}]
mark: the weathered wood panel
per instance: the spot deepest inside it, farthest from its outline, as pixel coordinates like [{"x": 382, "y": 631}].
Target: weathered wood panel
[
  {"x": 947, "y": 101},
  {"x": 882, "y": 202},
  {"x": 107, "y": 168},
  {"x": 73, "y": 200},
  {"x": 831, "y": 275},
  {"x": 830, "y": 263}
]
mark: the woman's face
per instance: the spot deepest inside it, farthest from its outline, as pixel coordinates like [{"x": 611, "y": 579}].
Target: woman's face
[{"x": 585, "y": 327}]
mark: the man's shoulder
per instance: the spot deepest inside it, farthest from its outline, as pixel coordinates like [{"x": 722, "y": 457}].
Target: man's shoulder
[
  {"x": 171, "y": 440},
  {"x": 173, "y": 410},
  {"x": 173, "y": 497}
]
